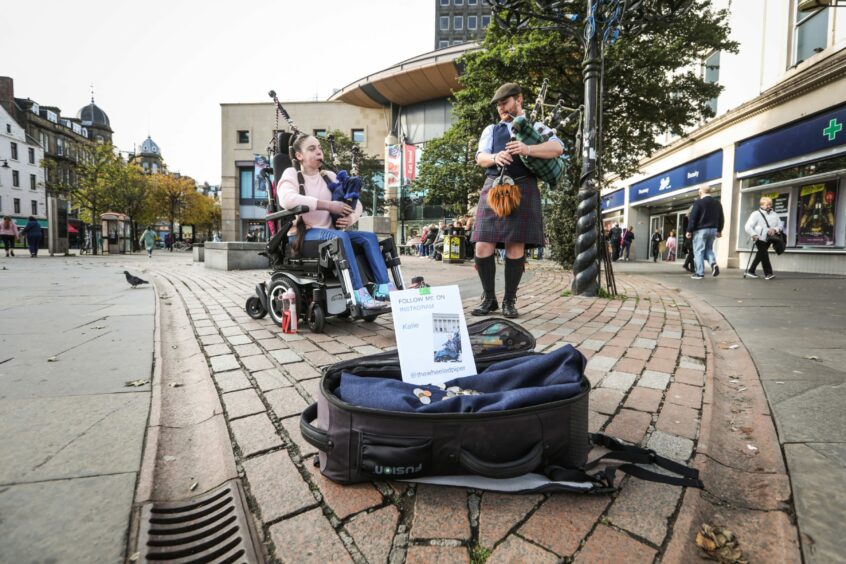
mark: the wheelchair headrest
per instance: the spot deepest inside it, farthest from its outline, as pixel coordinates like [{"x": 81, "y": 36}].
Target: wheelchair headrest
[{"x": 280, "y": 162}]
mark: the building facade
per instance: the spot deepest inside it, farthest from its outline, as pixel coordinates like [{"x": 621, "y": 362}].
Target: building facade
[
  {"x": 247, "y": 131},
  {"x": 22, "y": 192},
  {"x": 779, "y": 132},
  {"x": 460, "y": 21},
  {"x": 149, "y": 158}
]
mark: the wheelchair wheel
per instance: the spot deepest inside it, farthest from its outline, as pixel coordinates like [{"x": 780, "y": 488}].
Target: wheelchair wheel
[
  {"x": 344, "y": 314},
  {"x": 316, "y": 318},
  {"x": 254, "y": 308},
  {"x": 277, "y": 287}
]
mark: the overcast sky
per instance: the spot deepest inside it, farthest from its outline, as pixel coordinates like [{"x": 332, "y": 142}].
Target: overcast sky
[{"x": 162, "y": 68}]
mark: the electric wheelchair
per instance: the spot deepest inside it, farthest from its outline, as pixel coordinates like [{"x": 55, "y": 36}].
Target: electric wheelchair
[{"x": 319, "y": 275}]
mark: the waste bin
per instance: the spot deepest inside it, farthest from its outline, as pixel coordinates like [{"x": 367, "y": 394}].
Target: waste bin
[{"x": 454, "y": 245}]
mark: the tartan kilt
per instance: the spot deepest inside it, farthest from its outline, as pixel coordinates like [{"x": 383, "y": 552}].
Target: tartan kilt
[{"x": 523, "y": 226}]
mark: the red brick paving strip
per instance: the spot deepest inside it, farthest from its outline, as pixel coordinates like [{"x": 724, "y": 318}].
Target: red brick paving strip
[
  {"x": 678, "y": 420},
  {"x": 643, "y": 399},
  {"x": 277, "y": 485},
  {"x": 374, "y": 532},
  {"x": 308, "y": 537},
  {"x": 643, "y": 508},
  {"x": 606, "y": 545},
  {"x": 437, "y": 555},
  {"x": 629, "y": 425},
  {"x": 440, "y": 513},
  {"x": 563, "y": 521},
  {"x": 345, "y": 500},
  {"x": 500, "y": 513},
  {"x": 518, "y": 550}
]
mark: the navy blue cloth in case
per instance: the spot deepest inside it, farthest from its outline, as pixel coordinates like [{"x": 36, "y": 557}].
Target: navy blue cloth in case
[{"x": 509, "y": 384}]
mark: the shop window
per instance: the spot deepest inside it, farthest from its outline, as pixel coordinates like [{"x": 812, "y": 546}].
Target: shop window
[
  {"x": 31, "y": 152},
  {"x": 243, "y": 136},
  {"x": 16, "y": 179},
  {"x": 34, "y": 207},
  {"x": 810, "y": 32},
  {"x": 17, "y": 205},
  {"x": 14, "y": 151},
  {"x": 32, "y": 182},
  {"x": 358, "y": 135},
  {"x": 816, "y": 214},
  {"x": 444, "y": 23}
]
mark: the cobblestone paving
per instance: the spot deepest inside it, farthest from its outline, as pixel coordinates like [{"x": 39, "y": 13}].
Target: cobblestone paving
[{"x": 647, "y": 364}]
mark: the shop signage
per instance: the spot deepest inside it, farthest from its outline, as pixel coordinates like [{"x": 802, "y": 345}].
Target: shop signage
[
  {"x": 816, "y": 133},
  {"x": 616, "y": 199},
  {"x": 410, "y": 162},
  {"x": 816, "y": 214},
  {"x": 689, "y": 174}
]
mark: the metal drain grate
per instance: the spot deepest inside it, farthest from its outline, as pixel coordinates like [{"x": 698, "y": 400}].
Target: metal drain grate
[{"x": 213, "y": 527}]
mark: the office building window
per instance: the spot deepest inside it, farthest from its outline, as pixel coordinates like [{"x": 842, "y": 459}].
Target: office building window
[
  {"x": 472, "y": 2},
  {"x": 34, "y": 207},
  {"x": 442, "y": 44},
  {"x": 14, "y": 151},
  {"x": 243, "y": 136},
  {"x": 16, "y": 179},
  {"x": 486, "y": 21},
  {"x": 245, "y": 176},
  {"x": 458, "y": 23},
  {"x": 444, "y": 23},
  {"x": 471, "y": 22},
  {"x": 31, "y": 155},
  {"x": 8, "y": 128},
  {"x": 17, "y": 203},
  {"x": 358, "y": 135},
  {"x": 32, "y": 182},
  {"x": 711, "y": 74},
  {"x": 457, "y": 42},
  {"x": 810, "y": 32},
  {"x": 44, "y": 142},
  {"x": 459, "y": 2},
  {"x": 444, "y": 2},
  {"x": 319, "y": 133}
]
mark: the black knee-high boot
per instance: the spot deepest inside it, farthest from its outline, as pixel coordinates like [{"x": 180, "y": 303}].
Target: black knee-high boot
[
  {"x": 513, "y": 273},
  {"x": 486, "y": 267}
]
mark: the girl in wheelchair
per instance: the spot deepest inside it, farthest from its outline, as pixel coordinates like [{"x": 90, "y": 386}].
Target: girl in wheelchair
[{"x": 317, "y": 224}]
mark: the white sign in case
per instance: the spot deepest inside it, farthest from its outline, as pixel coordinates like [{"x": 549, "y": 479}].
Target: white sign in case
[{"x": 432, "y": 339}]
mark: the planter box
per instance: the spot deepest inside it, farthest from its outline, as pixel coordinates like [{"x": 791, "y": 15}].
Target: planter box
[
  {"x": 199, "y": 252},
  {"x": 235, "y": 255}
]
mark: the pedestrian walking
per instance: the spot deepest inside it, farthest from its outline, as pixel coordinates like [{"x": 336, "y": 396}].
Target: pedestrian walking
[
  {"x": 687, "y": 248},
  {"x": 671, "y": 246},
  {"x": 523, "y": 227},
  {"x": 656, "y": 241},
  {"x": 169, "y": 242},
  {"x": 763, "y": 226},
  {"x": 33, "y": 233},
  {"x": 615, "y": 235},
  {"x": 8, "y": 234},
  {"x": 705, "y": 224},
  {"x": 628, "y": 238},
  {"x": 148, "y": 240}
]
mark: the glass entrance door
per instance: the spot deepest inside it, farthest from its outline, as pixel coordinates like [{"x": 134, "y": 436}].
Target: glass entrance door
[{"x": 655, "y": 222}]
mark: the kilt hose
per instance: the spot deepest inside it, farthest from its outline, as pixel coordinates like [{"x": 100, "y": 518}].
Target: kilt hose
[{"x": 523, "y": 226}]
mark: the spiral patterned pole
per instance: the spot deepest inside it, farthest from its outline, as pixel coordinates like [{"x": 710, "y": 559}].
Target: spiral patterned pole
[{"x": 586, "y": 263}]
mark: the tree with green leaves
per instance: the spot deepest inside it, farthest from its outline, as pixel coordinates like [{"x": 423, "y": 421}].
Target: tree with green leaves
[
  {"x": 652, "y": 83},
  {"x": 129, "y": 194},
  {"x": 370, "y": 171},
  {"x": 448, "y": 173},
  {"x": 170, "y": 197}
]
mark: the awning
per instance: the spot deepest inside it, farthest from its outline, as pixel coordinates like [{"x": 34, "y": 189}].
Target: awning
[
  {"x": 72, "y": 229},
  {"x": 21, "y": 222}
]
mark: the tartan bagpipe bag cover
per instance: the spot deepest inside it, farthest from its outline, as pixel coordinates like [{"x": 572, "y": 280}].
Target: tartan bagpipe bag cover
[{"x": 548, "y": 170}]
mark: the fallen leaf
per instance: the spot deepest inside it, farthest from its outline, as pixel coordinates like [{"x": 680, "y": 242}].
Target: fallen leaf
[
  {"x": 753, "y": 448},
  {"x": 174, "y": 384},
  {"x": 53, "y": 359},
  {"x": 720, "y": 545},
  {"x": 734, "y": 347},
  {"x": 169, "y": 458},
  {"x": 134, "y": 556},
  {"x": 136, "y": 383},
  {"x": 173, "y": 346},
  {"x": 812, "y": 357},
  {"x": 194, "y": 486},
  {"x": 777, "y": 382}
]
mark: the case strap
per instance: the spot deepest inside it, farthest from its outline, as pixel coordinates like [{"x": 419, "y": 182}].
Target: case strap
[{"x": 318, "y": 438}]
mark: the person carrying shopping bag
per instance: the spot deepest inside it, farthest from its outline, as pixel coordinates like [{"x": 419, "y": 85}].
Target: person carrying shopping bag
[{"x": 764, "y": 226}]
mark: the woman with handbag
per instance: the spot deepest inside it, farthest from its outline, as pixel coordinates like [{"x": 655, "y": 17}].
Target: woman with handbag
[{"x": 765, "y": 228}]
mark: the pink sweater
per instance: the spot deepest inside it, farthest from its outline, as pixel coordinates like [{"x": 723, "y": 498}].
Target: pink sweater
[
  {"x": 288, "y": 193},
  {"x": 11, "y": 230}
]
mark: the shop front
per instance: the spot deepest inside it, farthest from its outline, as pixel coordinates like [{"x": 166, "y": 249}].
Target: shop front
[
  {"x": 662, "y": 202},
  {"x": 802, "y": 168},
  {"x": 613, "y": 205}
]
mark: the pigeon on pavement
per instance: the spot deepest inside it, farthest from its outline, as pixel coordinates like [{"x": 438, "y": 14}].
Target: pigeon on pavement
[{"x": 134, "y": 280}]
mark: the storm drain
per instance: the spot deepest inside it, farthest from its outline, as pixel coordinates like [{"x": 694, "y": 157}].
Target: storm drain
[{"x": 213, "y": 527}]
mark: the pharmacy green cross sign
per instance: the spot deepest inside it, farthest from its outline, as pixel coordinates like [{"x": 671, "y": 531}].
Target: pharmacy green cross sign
[{"x": 833, "y": 129}]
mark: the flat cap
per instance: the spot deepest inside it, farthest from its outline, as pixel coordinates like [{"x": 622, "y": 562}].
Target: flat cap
[{"x": 506, "y": 90}]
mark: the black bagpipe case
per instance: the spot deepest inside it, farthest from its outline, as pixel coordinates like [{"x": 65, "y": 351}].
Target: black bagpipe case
[{"x": 529, "y": 449}]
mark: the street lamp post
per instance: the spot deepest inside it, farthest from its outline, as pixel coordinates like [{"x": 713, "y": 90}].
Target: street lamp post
[{"x": 602, "y": 22}]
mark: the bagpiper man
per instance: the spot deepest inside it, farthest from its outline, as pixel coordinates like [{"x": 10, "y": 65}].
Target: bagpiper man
[{"x": 523, "y": 227}]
